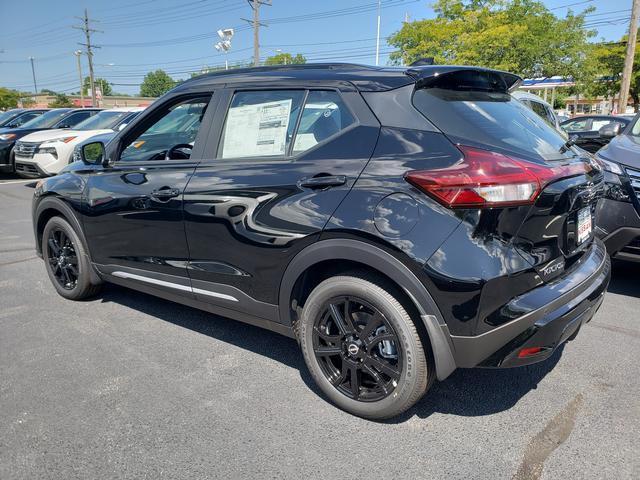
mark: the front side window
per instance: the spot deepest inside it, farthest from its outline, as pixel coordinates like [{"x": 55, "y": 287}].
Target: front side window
[
  {"x": 260, "y": 123},
  {"x": 324, "y": 115},
  {"x": 171, "y": 136},
  {"x": 24, "y": 118},
  {"x": 47, "y": 119},
  {"x": 601, "y": 122},
  {"x": 579, "y": 125},
  {"x": 73, "y": 119}
]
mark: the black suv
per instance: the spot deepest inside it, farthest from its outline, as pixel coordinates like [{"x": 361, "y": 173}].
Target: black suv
[
  {"x": 55, "y": 118},
  {"x": 399, "y": 223}
]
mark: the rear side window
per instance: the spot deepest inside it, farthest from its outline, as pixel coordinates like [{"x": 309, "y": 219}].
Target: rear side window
[
  {"x": 324, "y": 115},
  {"x": 261, "y": 123},
  {"x": 491, "y": 120}
]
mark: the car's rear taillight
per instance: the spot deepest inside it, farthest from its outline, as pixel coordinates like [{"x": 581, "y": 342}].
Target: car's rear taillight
[{"x": 487, "y": 179}]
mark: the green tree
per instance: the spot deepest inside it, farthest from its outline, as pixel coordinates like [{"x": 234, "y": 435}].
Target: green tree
[
  {"x": 285, "y": 59},
  {"x": 101, "y": 83},
  {"x": 520, "y": 36},
  {"x": 60, "y": 101},
  {"x": 156, "y": 84},
  {"x": 8, "y": 98}
]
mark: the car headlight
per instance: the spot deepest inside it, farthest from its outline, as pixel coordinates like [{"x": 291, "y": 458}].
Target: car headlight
[
  {"x": 50, "y": 150},
  {"x": 76, "y": 157},
  {"x": 610, "y": 166},
  {"x": 62, "y": 139},
  {"x": 7, "y": 136}
]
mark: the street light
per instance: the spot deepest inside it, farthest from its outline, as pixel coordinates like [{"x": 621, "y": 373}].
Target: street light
[
  {"x": 224, "y": 45},
  {"x": 77, "y": 53}
]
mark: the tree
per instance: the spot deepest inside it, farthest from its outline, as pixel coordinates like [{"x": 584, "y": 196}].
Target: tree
[
  {"x": 156, "y": 84},
  {"x": 8, "y": 98},
  {"x": 603, "y": 68},
  {"x": 520, "y": 36},
  {"x": 60, "y": 101},
  {"x": 285, "y": 59},
  {"x": 100, "y": 83}
]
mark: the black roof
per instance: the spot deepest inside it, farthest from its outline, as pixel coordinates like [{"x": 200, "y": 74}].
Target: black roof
[{"x": 363, "y": 77}]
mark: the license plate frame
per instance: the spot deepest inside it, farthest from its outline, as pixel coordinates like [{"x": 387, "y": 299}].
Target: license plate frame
[{"x": 584, "y": 225}]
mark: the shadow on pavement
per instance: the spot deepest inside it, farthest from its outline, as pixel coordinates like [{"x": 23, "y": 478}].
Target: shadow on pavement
[
  {"x": 624, "y": 278},
  {"x": 467, "y": 392}
]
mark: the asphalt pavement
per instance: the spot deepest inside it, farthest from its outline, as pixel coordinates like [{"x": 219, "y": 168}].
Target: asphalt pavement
[{"x": 131, "y": 386}]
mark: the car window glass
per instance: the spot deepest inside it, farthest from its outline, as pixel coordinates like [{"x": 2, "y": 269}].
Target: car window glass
[
  {"x": 24, "y": 118},
  {"x": 104, "y": 119},
  {"x": 551, "y": 117},
  {"x": 260, "y": 123},
  {"x": 576, "y": 125},
  {"x": 47, "y": 119},
  {"x": 324, "y": 115},
  {"x": 73, "y": 119},
  {"x": 599, "y": 123},
  {"x": 178, "y": 125}
]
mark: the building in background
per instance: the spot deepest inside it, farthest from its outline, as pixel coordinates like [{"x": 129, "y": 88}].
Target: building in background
[{"x": 43, "y": 100}]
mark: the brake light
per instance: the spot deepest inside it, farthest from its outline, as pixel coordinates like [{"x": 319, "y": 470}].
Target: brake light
[
  {"x": 527, "y": 352},
  {"x": 484, "y": 179}
]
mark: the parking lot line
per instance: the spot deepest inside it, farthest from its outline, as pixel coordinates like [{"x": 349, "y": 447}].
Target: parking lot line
[{"x": 26, "y": 180}]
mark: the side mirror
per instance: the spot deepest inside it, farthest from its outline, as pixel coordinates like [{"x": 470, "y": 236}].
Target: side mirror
[
  {"x": 610, "y": 130},
  {"x": 93, "y": 153}
]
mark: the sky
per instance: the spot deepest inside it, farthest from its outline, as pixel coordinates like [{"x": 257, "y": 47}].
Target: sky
[{"x": 179, "y": 35}]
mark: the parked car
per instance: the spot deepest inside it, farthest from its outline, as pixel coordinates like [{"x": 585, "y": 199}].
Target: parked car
[
  {"x": 16, "y": 117},
  {"x": 56, "y": 118},
  {"x": 539, "y": 106},
  {"x": 400, "y": 223},
  {"x": 618, "y": 214},
  {"x": 47, "y": 152},
  {"x": 592, "y": 132}
]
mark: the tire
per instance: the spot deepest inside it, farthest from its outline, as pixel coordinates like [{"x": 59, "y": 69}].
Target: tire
[
  {"x": 409, "y": 374},
  {"x": 63, "y": 250}
]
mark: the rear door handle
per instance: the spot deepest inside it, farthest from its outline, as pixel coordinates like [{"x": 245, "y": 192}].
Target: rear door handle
[
  {"x": 324, "y": 182},
  {"x": 164, "y": 194}
]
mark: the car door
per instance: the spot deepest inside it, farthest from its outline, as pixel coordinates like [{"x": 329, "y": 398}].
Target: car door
[
  {"x": 133, "y": 207},
  {"x": 277, "y": 164}
]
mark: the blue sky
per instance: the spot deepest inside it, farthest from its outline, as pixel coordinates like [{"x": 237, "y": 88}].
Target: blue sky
[{"x": 178, "y": 36}]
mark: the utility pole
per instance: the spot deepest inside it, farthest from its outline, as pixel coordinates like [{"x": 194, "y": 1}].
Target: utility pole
[
  {"x": 35, "y": 85},
  {"x": 255, "y": 6},
  {"x": 378, "y": 37},
  {"x": 77, "y": 53},
  {"x": 628, "y": 60},
  {"x": 85, "y": 27}
]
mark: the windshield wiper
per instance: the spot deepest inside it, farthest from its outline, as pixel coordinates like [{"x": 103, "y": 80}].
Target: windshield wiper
[{"x": 567, "y": 145}]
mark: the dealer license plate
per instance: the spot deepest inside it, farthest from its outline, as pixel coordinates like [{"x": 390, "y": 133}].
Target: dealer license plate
[{"x": 584, "y": 224}]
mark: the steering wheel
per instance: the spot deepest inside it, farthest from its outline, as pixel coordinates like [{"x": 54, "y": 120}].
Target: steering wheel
[{"x": 167, "y": 156}]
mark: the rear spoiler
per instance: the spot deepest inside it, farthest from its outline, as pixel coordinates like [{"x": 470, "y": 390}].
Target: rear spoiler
[{"x": 431, "y": 75}]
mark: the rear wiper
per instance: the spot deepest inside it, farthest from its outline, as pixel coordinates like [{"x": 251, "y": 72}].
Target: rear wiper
[{"x": 567, "y": 145}]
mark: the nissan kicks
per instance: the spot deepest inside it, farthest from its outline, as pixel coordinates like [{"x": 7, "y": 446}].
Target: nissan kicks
[{"x": 399, "y": 223}]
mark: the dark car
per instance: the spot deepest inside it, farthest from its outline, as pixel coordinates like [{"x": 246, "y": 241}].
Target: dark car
[
  {"x": 17, "y": 117},
  {"x": 592, "y": 132},
  {"x": 56, "y": 118},
  {"x": 399, "y": 223},
  {"x": 618, "y": 215}
]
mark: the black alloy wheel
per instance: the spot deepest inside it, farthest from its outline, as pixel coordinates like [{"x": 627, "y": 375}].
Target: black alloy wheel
[
  {"x": 357, "y": 349},
  {"x": 62, "y": 259}
]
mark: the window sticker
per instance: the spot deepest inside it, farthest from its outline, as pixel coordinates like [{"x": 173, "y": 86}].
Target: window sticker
[{"x": 257, "y": 130}]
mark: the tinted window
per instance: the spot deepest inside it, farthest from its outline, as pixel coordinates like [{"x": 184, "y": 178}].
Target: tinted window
[
  {"x": 47, "y": 119},
  {"x": 490, "y": 119},
  {"x": 73, "y": 119},
  {"x": 24, "y": 118},
  {"x": 324, "y": 115},
  {"x": 260, "y": 124},
  {"x": 177, "y": 125}
]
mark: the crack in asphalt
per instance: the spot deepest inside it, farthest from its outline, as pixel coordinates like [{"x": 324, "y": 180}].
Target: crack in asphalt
[
  {"x": 615, "y": 328},
  {"x": 544, "y": 443},
  {"x": 18, "y": 261}
]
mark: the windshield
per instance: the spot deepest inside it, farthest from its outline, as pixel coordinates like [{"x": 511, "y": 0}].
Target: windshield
[
  {"x": 491, "y": 119},
  {"x": 47, "y": 119},
  {"x": 635, "y": 130},
  {"x": 102, "y": 120}
]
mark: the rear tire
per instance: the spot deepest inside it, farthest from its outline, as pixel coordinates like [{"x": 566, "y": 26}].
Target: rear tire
[
  {"x": 378, "y": 345},
  {"x": 66, "y": 260}
]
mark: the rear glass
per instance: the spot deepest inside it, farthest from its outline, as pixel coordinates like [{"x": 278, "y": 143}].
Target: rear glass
[{"x": 491, "y": 120}]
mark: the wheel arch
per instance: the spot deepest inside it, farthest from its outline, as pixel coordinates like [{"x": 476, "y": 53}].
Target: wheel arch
[
  {"x": 50, "y": 207},
  {"x": 378, "y": 260}
]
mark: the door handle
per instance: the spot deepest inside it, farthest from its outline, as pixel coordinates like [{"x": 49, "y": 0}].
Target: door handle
[
  {"x": 165, "y": 194},
  {"x": 324, "y": 181}
]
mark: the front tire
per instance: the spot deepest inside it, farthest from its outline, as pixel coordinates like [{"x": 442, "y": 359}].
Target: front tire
[
  {"x": 362, "y": 348},
  {"x": 66, "y": 260}
]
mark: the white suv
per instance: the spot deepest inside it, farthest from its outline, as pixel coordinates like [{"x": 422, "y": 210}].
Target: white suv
[{"x": 47, "y": 152}]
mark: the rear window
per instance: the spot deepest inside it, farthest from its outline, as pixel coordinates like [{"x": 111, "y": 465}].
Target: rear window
[{"x": 491, "y": 120}]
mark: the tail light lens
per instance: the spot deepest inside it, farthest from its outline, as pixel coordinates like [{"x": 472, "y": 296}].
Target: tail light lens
[{"x": 488, "y": 179}]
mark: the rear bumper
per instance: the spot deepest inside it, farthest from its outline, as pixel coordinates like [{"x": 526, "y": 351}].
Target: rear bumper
[
  {"x": 554, "y": 312},
  {"x": 618, "y": 225}
]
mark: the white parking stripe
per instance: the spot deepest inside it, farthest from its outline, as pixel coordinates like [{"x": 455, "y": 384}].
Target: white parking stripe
[{"x": 27, "y": 180}]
